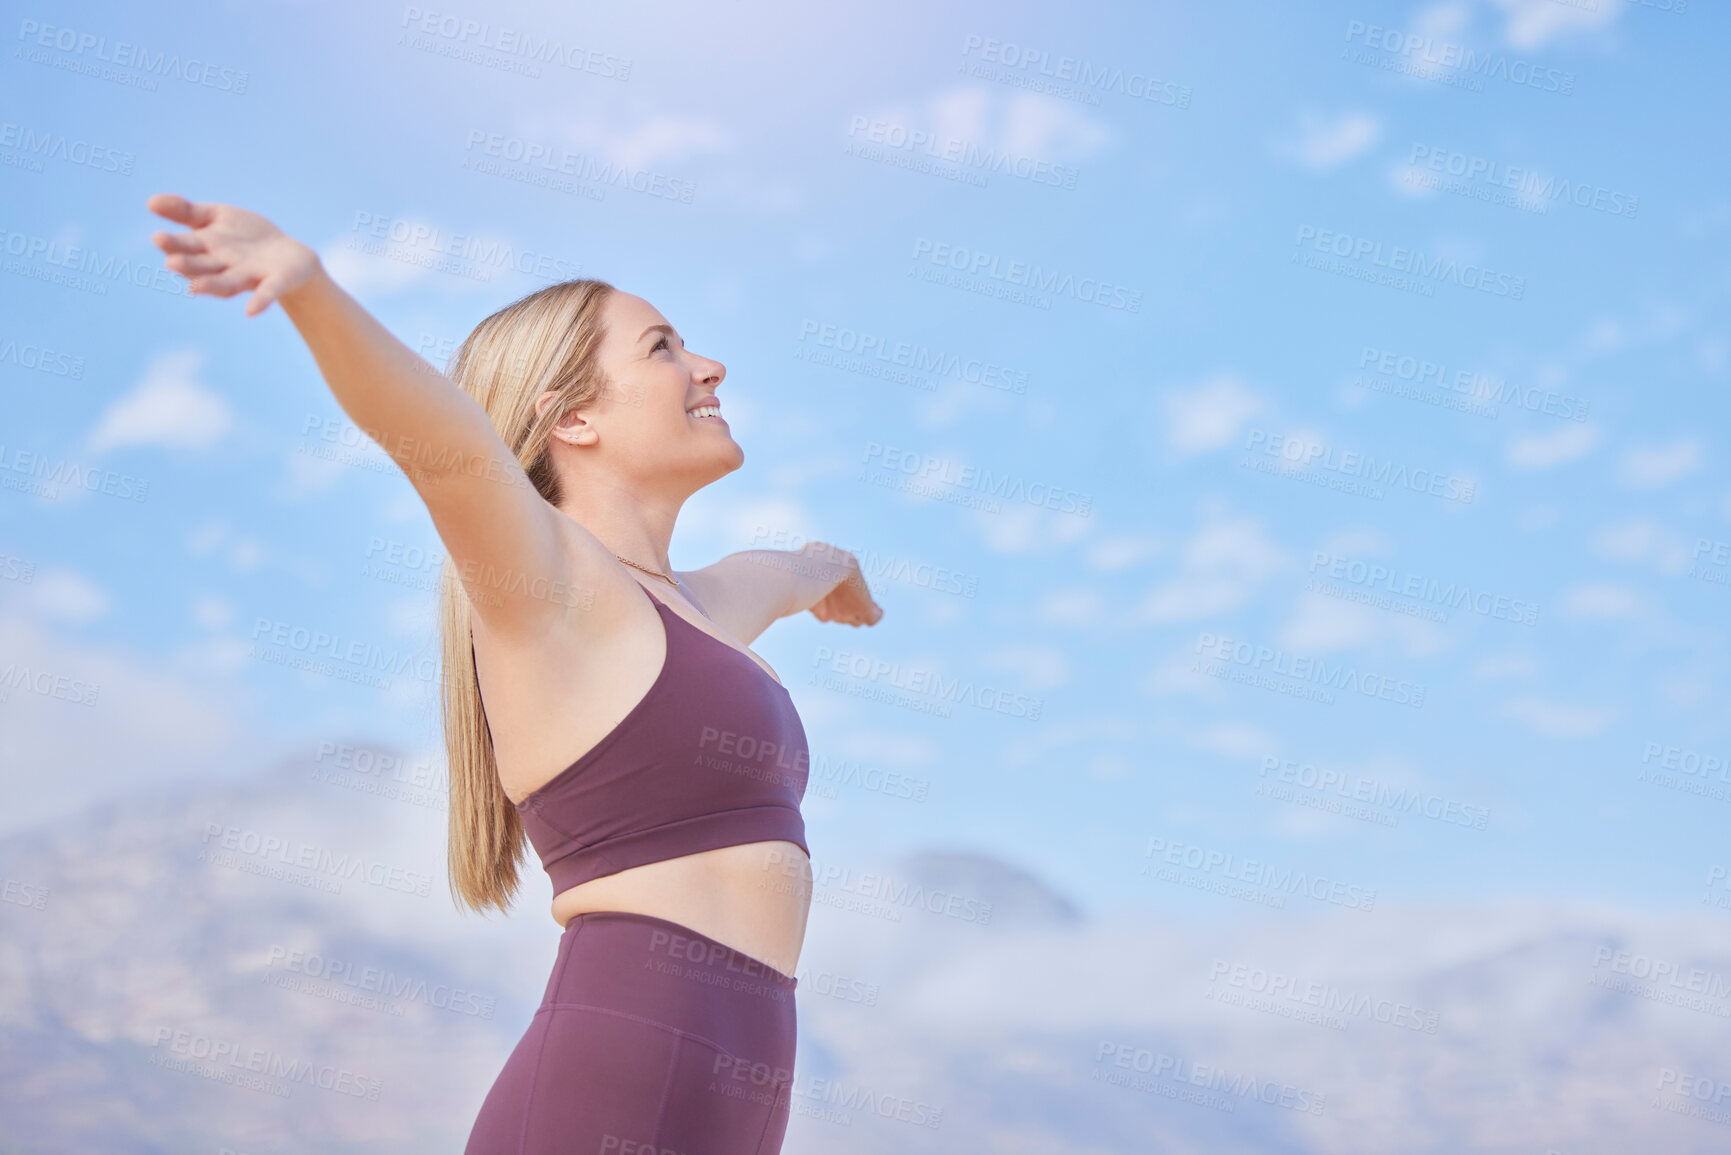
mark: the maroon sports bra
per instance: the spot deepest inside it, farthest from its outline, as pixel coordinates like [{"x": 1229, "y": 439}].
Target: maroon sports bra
[{"x": 713, "y": 755}]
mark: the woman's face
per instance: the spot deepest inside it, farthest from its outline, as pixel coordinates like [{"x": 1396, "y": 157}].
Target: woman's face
[{"x": 647, "y": 420}]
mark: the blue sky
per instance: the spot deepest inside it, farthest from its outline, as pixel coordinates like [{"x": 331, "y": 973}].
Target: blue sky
[{"x": 1297, "y": 209}]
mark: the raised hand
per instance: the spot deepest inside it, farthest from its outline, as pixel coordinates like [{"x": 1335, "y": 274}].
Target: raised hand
[
  {"x": 849, "y": 603},
  {"x": 231, "y": 250}
]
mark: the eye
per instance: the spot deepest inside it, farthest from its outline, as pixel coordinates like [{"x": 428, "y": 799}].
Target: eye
[{"x": 660, "y": 343}]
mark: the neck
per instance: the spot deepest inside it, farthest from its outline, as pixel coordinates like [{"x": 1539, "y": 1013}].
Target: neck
[{"x": 629, "y": 524}]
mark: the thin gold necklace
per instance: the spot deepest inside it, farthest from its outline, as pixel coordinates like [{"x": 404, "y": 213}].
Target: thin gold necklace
[{"x": 664, "y": 577}]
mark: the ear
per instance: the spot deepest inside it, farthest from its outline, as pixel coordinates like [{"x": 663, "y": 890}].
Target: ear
[{"x": 574, "y": 427}]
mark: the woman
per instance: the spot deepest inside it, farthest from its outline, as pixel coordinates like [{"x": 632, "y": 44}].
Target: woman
[{"x": 595, "y": 702}]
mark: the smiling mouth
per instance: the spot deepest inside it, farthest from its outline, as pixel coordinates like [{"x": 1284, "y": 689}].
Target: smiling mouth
[{"x": 708, "y": 413}]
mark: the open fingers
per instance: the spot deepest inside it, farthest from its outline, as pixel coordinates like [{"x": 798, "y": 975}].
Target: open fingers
[
  {"x": 224, "y": 284},
  {"x": 195, "y": 264},
  {"x": 177, "y": 242},
  {"x": 180, "y": 210}
]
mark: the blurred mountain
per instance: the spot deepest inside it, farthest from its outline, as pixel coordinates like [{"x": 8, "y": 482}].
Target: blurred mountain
[{"x": 274, "y": 966}]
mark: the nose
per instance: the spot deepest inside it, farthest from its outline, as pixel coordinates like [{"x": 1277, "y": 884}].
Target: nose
[{"x": 710, "y": 372}]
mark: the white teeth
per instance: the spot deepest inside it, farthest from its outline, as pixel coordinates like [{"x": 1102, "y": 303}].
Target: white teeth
[{"x": 707, "y": 411}]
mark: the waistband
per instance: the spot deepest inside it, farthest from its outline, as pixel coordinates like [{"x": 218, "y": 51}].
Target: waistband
[{"x": 678, "y": 942}]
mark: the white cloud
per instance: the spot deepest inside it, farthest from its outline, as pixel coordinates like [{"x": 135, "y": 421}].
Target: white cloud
[
  {"x": 169, "y": 407},
  {"x": 67, "y": 596},
  {"x": 1016, "y": 124},
  {"x": 1219, "y": 569},
  {"x": 212, "y": 613},
  {"x": 1075, "y": 608},
  {"x": 310, "y": 474},
  {"x": 1544, "y": 450},
  {"x": 1652, "y": 466},
  {"x": 1535, "y": 23},
  {"x": 147, "y": 718},
  {"x": 1506, "y": 666},
  {"x": 1409, "y": 181},
  {"x": 1630, "y": 541},
  {"x": 663, "y": 140},
  {"x": 1600, "y": 601},
  {"x": 1560, "y": 719},
  {"x": 1323, "y": 143},
  {"x": 1113, "y": 554},
  {"x": 1209, "y": 415},
  {"x": 1235, "y": 740},
  {"x": 1643, "y": 540},
  {"x": 1322, "y": 624},
  {"x": 1020, "y": 527},
  {"x": 1039, "y": 668},
  {"x": 363, "y": 274}
]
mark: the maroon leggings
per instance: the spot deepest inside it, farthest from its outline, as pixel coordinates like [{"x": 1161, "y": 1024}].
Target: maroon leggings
[{"x": 652, "y": 1039}]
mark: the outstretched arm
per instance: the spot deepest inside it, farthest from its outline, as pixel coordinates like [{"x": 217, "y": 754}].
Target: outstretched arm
[
  {"x": 488, "y": 514},
  {"x": 748, "y": 590}
]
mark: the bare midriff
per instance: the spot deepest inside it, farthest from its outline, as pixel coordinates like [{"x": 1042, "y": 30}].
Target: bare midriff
[{"x": 754, "y": 897}]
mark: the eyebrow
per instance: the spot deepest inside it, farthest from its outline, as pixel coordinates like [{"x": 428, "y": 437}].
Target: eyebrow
[{"x": 668, "y": 329}]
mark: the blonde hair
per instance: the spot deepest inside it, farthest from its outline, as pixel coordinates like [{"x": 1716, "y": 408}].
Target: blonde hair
[{"x": 547, "y": 340}]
